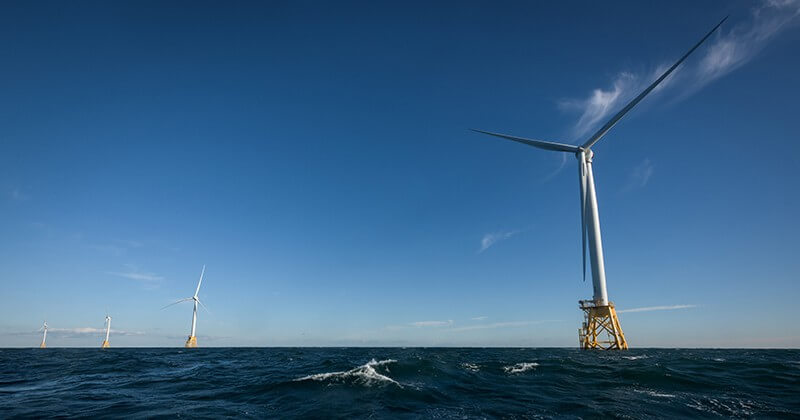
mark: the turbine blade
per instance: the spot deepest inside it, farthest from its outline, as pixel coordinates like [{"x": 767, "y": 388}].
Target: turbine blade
[
  {"x": 613, "y": 121},
  {"x": 582, "y": 169},
  {"x": 203, "y": 305},
  {"x": 547, "y": 145},
  {"x": 201, "y": 281},
  {"x": 176, "y": 302}
]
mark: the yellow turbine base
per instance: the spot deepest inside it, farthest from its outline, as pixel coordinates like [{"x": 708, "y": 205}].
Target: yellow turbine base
[
  {"x": 191, "y": 342},
  {"x": 43, "y": 346},
  {"x": 105, "y": 344},
  {"x": 600, "y": 329}
]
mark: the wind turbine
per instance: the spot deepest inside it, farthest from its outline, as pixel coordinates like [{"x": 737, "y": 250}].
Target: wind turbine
[
  {"x": 192, "y": 340},
  {"x": 44, "y": 337},
  {"x": 108, "y": 331},
  {"x": 600, "y": 317}
]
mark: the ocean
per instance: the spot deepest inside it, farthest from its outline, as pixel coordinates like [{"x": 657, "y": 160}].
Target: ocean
[{"x": 398, "y": 383}]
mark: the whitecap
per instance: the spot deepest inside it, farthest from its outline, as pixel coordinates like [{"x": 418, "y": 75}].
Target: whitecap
[
  {"x": 654, "y": 394},
  {"x": 471, "y": 367},
  {"x": 725, "y": 407},
  {"x": 364, "y": 374},
  {"x": 643, "y": 356},
  {"x": 520, "y": 367}
]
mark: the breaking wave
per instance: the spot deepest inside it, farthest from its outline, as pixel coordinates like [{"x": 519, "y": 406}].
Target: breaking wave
[
  {"x": 363, "y": 375},
  {"x": 471, "y": 367},
  {"x": 520, "y": 367},
  {"x": 635, "y": 357}
]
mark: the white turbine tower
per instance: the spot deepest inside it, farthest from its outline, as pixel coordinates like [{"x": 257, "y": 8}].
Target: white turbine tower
[
  {"x": 192, "y": 341},
  {"x": 44, "y": 337},
  {"x": 108, "y": 331},
  {"x": 600, "y": 315}
]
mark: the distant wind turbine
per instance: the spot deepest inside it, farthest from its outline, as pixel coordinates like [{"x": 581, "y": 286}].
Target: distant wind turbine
[
  {"x": 600, "y": 315},
  {"x": 44, "y": 337},
  {"x": 108, "y": 330},
  {"x": 192, "y": 341}
]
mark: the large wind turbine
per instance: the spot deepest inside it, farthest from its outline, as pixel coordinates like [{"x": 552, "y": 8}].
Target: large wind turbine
[
  {"x": 44, "y": 337},
  {"x": 108, "y": 330},
  {"x": 192, "y": 341},
  {"x": 600, "y": 315}
]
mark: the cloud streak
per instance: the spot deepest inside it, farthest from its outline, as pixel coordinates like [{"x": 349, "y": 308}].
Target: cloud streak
[
  {"x": 640, "y": 175},
  {"x": 657, "y": 308},
  {"x": 492, "y": 238},
  {"x": 726, "y": 51},
  {"x": 429, "y": 324},
  {"x": 133, "y": 273},
  {"x": 90, "y": 330},
  {"x": 509, "y": 324},
  {"x": 146, "y": 277}
]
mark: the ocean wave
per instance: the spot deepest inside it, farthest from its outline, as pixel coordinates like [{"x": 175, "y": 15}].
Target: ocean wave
[
  {"x": 643, "y": 356},
  {"x": 520, "y": 367},
  {"x": 364, "y": 375},
  {"x": 725, "y": 407},
  {"x": 471, "y": 367},
  {"x": 436, "y": 383},
  {"x": 654, "y": 393}
]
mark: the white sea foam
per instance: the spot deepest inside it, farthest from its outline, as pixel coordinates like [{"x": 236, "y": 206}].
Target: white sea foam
[
  {"x": 725, "y": 407},
  {"x": 471, "y": 367},
  {"x": 653, "y": 393},
  {"x": 364, "y": 374},
  {"x": 520, "y": 367},
  {"x": 643, "y": 356}
]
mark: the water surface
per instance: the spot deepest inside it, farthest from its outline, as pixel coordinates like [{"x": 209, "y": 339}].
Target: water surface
[{"x": 396, "y": 382}]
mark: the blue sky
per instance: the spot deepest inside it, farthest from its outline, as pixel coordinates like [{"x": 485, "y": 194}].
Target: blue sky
[{"x": 317, "y": 158}]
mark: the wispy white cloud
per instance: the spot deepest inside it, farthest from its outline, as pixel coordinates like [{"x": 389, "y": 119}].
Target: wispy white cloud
[
  {"x": 743, "y": 41},
  {"x": 731, "y": 47},
  {"x": 600, "y": 103},
  {"x": 479, "y": 318},
  {"x": 640, "y": 175},
  {"x": 133, "y": 273},
  {"x": 90, "y": 330},
  {"x": 562, "y": 163},
  {"x": 138, "y": 276},
  {"x": 508, "y": 324},
  {"x": 492, "y": 238},
  {"x": 437, "y": 324},
  {"x": 657, "y": 308}
]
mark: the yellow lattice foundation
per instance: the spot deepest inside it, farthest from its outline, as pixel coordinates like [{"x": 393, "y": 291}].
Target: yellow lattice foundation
[
  {"x": 600, "y": 329},
  {"x": 43, "y": 346},
  {"x": 191, "y": 342},
  {"x": 105, "y": 344}
]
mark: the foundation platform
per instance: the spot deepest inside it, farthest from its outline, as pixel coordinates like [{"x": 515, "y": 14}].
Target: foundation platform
[
  {"x": 600, "y": 329},
  {"x": 191, "y": 342}
]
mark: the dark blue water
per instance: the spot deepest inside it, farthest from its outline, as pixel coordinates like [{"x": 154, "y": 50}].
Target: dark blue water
[{"x": 394, "y": 382}]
